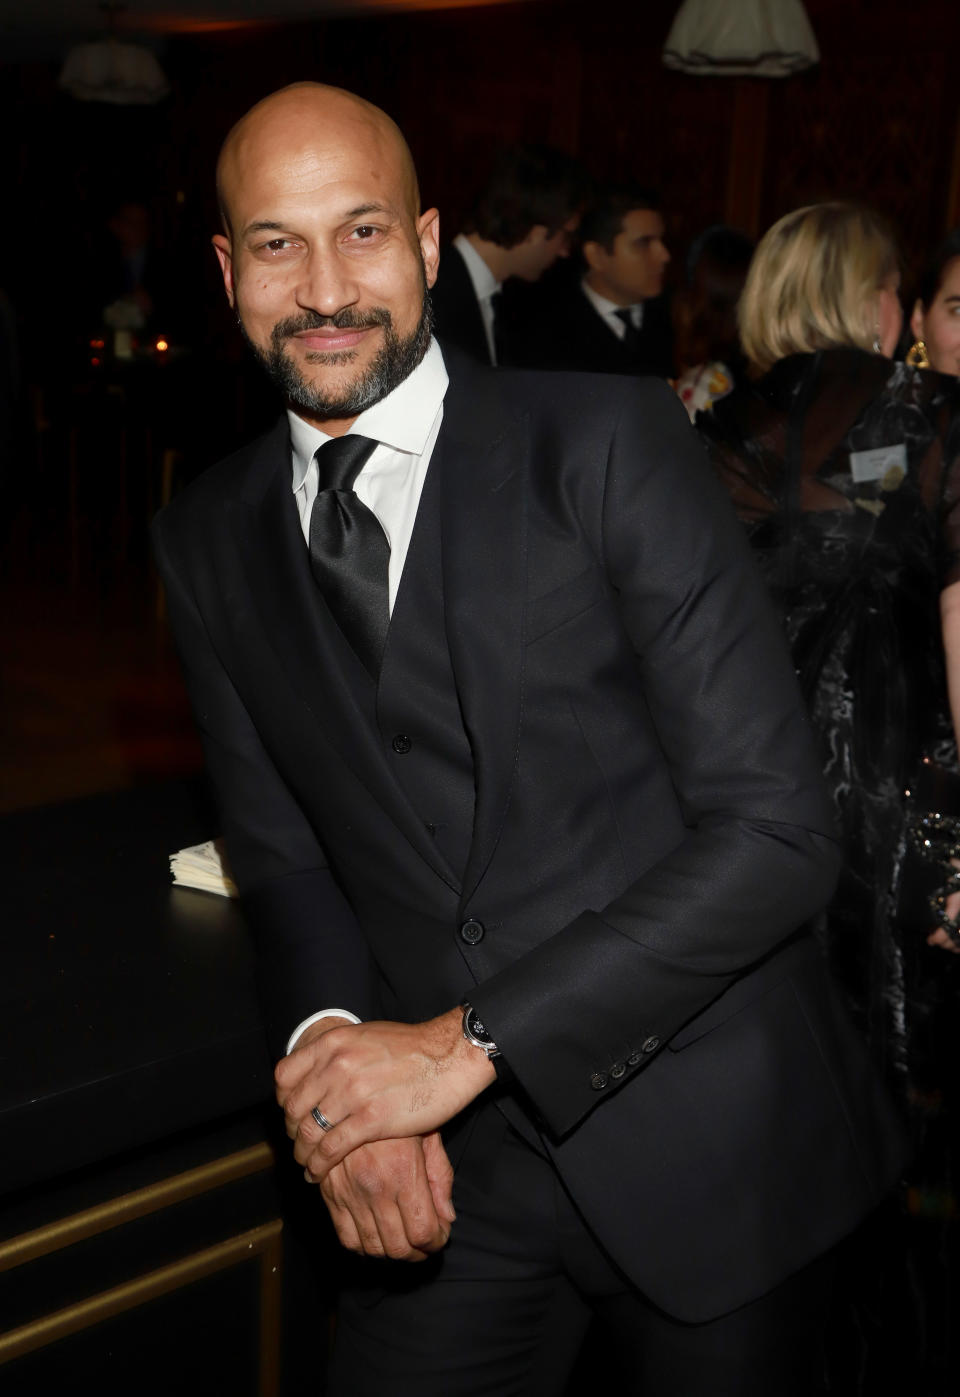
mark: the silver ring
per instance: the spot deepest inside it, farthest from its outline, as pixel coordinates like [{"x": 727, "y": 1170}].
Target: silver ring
[{"x": 321, "y": 1119}]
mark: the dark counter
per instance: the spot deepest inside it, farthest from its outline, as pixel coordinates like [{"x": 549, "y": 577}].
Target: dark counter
[{"x": 127, "y": 1006}]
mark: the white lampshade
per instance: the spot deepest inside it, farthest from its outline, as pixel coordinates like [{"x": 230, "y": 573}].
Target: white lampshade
[
  {"x": 108, "y": 71},
  {"x": 755, "y": 38}
]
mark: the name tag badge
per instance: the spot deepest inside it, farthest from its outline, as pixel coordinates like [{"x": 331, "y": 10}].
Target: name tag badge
[{"x": 888, "y": 464}]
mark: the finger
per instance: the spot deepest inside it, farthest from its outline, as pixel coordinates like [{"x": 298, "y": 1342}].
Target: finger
[
  {"x": 305, "y": 1135},
  {"x": 941, "y": 939},
  {"x": 439, "y": 1176},
  {"x": 334, "y": 1145},
  {"x": 343, "y": 1224},
  {"x": 366, "y": 1191},
  {"x": 291, "y": 1070},
  {"x": 425, "y": 1231}
]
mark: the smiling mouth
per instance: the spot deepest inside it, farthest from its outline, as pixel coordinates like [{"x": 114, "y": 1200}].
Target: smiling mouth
[{"x": 330, "y": 340}]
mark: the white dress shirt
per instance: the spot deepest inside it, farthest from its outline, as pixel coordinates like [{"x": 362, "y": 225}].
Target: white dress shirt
[
  {"x": 485, "y": 286},
  {"x": 406, "y": 423},
  {"x": 608, "y": 311}
]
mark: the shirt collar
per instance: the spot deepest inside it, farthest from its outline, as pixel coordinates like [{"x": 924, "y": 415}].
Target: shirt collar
[
  {"x": 604, "y": 307},
  {"x": 485, "y": 284},
  {"x": 402, "y": 419}
]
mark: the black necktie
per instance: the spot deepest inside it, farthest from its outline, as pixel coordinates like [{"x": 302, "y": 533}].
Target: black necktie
[
  {"x": 631, "y": 340},
  {"x": 349, "y": 552}
]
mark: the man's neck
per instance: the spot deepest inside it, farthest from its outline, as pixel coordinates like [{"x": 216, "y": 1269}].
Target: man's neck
[
  {"x": 330, "y": 426},
  {"x": 598, "y": 284}
]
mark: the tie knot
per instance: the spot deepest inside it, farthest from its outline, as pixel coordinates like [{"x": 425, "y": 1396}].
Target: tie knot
[
  {"x": 341, "y": 460},
  {"x": 626, "y": 315}
]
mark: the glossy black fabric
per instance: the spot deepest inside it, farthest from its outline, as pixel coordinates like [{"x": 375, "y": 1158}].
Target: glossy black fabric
[
  {"x": 647, "y": 836},
  {"x": 856, "y": 570},
  {"x": 349, "y": 552}
]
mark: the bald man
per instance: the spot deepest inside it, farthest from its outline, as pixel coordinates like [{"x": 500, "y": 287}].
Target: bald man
[{"x": 523, "y": 808}]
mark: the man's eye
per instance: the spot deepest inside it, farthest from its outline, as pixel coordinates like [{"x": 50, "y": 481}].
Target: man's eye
[
  {"x": 364, "y": 231},
  {"x": 277, "y": 244}
]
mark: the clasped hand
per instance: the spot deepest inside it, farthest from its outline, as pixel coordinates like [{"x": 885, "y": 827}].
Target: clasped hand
[{"x": 387, "y": 1087}]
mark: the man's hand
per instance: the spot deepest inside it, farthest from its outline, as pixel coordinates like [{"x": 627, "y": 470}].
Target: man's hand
[
  {"x": 376, "y": 1081},
  {"x": 392, "y": 1198},
  {"x": 952, "y": 909}
]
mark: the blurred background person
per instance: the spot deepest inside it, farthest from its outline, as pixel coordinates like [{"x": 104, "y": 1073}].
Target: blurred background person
[
  {"x": 610, "y": 315},
  {"x": 523, "y": 219},
  {"x": 706, "y": 336},
  {"x": 845, "y": 471},
  {"x": 935, "y": 321}
]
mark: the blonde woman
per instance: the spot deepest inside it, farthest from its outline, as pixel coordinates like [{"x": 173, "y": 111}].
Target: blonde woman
[{"x": 844, "y": 469}]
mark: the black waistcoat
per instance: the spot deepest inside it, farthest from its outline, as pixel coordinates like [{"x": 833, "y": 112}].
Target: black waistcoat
[{"x": 418, "y": 712}]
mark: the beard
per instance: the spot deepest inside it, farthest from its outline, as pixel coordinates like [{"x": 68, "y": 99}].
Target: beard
[{"x": 395, "y": 360}]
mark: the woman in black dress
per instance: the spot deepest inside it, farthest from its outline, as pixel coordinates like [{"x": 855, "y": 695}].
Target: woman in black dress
[{"x": 845, "y": 470}]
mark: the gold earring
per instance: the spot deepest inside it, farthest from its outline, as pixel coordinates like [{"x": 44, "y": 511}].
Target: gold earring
[{"x": 917, "y": 356}]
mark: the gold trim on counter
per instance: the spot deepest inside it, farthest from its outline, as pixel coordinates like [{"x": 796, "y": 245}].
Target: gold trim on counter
[{"x": 128, "y": 1206}]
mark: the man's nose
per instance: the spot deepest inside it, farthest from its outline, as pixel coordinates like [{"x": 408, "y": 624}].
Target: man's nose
[{"x": 328, "y": 283}]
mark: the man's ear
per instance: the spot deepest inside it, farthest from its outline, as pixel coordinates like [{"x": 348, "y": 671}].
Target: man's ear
[
  {"x": 916, "y": 321},
  {"x": 593, "y": 254},
  {"x": 221, "y": 246},
  {"x": 537, "y": 234},
  {"x": 428, "y": 233}
]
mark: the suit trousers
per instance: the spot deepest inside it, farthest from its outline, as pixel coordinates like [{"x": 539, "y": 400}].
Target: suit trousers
[{"x": 503, "y": 1311}]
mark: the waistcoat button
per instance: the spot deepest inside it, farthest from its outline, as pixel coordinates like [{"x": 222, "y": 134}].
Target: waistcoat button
[
  {"x": 401, "y": 744},
  {"x": 598, "y": 1081},
  {"x": 472, "y": 931}
]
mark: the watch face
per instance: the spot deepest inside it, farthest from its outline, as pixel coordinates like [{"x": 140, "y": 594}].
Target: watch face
[{"x": 476, "y": 1026}]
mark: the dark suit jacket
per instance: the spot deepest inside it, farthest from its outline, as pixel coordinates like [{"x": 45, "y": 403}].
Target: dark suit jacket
[
  {"x": 649, "y": 829},
  {"x": 560, "y": 329},
  {"x": 456, "y": 310}
]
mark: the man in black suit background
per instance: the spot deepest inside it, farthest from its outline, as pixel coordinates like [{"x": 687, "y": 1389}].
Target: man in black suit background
[
  {"x": 523, "y": 220},
  {"x": 527, "y": 821},
  {"x": 611, "y": 315}
]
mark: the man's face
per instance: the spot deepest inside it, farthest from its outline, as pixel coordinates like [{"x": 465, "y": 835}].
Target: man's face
[
  {"x": 327, "y": 263},
  {"x": 634, "y": 270},
  {"x": 541, "y": 248}
]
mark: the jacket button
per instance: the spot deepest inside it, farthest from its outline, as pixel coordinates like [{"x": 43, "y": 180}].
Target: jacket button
[
  {"x": 401, "y": 744},
  {"x": 617, "y": 1070},
  {"x": 633, "y": 1059},
  {"x": 598, "y": 1081},
  {"x": 650, "y": 1045},
  {"x": 472, "y": 931}
]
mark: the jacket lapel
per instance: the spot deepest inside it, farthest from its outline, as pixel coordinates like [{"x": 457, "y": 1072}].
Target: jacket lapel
[
  {"x": 484, "y": 458},
  {"x": 308, "y": 643}
]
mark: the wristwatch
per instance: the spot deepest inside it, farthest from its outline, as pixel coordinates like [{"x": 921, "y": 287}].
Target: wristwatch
[{"x": 476, "y": 1032}]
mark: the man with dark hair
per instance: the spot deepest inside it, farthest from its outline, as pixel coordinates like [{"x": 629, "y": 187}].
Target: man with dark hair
[
  {"x": 527, "y": 821},
  {"x": 521, "y": 222},
  {"x": 614, "y": 317}
]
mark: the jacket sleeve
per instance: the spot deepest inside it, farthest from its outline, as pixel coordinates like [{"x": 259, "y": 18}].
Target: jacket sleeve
[
  {"x": 592, "y": 1005},
  {"x": 311, "y": 953}
]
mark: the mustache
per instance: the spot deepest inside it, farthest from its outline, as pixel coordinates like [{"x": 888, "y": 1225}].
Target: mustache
[{"x": 346, "y": 319}]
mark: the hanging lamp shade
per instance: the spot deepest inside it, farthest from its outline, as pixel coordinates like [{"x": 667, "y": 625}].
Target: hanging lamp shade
[
  {"x": 753, "y": 38},
  {"x": 108, "y": 71}
]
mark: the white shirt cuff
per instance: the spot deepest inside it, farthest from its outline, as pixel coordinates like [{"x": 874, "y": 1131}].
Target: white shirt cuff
[{"x": 315, "y": 1018}]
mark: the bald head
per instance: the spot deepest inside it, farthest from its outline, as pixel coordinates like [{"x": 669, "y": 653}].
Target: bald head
[
  {"x": 290, "y": 132},
  {"x": 326, "y": 255}
]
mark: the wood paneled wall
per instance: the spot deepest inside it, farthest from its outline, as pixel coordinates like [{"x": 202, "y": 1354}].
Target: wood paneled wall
[{"x": 878, "y": 119}]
